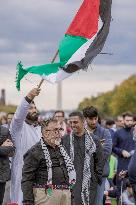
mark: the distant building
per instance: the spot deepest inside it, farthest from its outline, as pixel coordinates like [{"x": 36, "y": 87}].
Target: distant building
[{"x": 3, "y": 97}]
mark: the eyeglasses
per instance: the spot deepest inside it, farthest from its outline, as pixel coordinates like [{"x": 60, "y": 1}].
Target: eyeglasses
[{"x": 55, "y": 130}]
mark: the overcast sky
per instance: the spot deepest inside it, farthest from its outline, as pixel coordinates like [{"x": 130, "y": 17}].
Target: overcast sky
[{"x": 31, "y": 30}]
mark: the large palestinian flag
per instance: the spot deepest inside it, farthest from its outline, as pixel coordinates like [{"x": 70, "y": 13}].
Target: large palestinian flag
[{"x": 81, "y": 43}]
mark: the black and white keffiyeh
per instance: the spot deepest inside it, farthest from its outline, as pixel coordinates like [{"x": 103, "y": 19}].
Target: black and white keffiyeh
[
  {"x": 68, "y": 162},
  {"x": 90, "y": 148}
]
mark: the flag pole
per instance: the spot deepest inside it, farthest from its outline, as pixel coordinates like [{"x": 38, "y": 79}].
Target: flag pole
[{"x": 52, "y": 61}]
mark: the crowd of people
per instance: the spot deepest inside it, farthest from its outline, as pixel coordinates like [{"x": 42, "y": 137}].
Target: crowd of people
[{"x": 82, "y": 160}]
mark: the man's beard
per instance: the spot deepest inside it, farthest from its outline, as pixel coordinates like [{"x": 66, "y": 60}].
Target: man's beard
[
  {"x": 75, "y": 131},
  {"x": 53, "y": 142},
  {"x": 32, "y": 117},
  {"x": 128, "y": 126}
]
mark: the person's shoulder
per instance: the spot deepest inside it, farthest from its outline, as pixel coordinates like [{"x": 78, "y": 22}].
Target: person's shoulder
[
  {"x": 4, "y": 131},
  {"x": 4, "y": 134},
  {"x": 119, "y": 131},
  {"x": 34, "y": 149},
  {"x": 102, "y": 130}
]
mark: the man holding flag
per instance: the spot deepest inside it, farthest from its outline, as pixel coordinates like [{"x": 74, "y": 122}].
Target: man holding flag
[{"x": 25, "y": 132}]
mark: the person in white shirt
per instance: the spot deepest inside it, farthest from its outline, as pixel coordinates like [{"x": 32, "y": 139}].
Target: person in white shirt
[{"x": 25, "y": 133}]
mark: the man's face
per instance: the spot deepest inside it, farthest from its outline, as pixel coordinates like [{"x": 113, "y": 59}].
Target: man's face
[
  {"x": 92, "y": 122},
  {"x": 120, "y": 122},
  {"x": 76, "y": 124},
  {"x": 59, "y": 117},
  {"x": 52, "y": 133},
  {"x": 32, "y": 113},
  {"x": 128, "y": 121}
]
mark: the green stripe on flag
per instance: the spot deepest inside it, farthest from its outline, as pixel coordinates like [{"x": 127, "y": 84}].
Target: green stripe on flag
[
  {"x": 69, "y": 45},
  {"x": 45, "y": 69}
]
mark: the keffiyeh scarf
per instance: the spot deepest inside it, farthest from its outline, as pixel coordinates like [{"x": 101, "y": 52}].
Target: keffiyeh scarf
[
  {"x": 68, "y": 162},
  {"x": 90, "y": 148}
]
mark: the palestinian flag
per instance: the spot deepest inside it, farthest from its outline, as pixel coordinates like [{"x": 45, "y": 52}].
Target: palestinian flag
[{"x": 81, "y": 43}]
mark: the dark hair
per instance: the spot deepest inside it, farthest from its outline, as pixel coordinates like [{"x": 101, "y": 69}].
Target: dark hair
[
  {"x": 90, "y": 112},
  {"x": 128, "y": 114},
  {"x": 110, "y": 122},
  {"x": 77, "y": 113},
  {"x": 61, "y": 111}
]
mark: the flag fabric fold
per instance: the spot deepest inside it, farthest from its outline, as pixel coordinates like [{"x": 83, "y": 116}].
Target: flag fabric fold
[{"x": 82, "y": 42}]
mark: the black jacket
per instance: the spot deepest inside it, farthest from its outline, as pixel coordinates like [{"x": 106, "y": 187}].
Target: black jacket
[
  {"x": 5, "y": 153},
  {"x": 35, "y": 170},
  {"x": 97, "y": 165}
]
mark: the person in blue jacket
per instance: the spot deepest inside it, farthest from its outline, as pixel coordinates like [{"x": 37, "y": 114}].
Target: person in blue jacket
[
  {"x": 92, "y": 120},
  {"x": 124, "y": 145}
]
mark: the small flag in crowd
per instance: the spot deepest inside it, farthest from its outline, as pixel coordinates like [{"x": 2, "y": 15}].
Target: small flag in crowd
[{"x": 81, "y": 43}]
